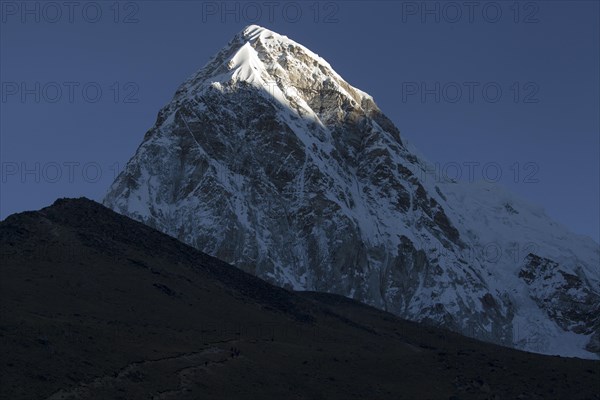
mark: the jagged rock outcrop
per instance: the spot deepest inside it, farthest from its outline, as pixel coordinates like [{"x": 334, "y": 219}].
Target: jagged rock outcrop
[{"x": 567, "y": 298}]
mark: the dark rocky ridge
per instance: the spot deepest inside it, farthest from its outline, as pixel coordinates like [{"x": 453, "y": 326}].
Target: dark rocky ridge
[{"x": 95, "y": 305}]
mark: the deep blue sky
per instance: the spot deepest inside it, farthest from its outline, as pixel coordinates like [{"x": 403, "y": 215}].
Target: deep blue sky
[{"x": 547, "y": 53}]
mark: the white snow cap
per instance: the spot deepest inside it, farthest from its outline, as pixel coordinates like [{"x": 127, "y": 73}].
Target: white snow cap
[
  {"x": 254, "y": 33},
  {"x": 264, "y": 41},
  {"x": 251, "y": 32}
]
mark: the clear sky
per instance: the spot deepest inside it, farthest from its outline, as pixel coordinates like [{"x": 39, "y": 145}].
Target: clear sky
[{"x": 481, "y": 88}]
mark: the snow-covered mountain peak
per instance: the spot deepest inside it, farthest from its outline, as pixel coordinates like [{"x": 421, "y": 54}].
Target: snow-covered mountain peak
[
  {"x": 288, "y": 72},
  {"x": 273, "y": 44},
  {"x": 268, "y": 159}
]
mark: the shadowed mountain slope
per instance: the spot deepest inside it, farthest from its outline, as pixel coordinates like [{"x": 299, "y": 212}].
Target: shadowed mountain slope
[{"x": 96, "y": 305}]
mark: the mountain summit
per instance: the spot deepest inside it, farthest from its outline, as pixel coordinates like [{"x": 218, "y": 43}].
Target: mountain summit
[{"x": 267, "y": 159}]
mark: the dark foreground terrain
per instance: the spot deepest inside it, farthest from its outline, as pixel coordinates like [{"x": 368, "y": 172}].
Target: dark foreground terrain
[{"x": 95, "y": 305}]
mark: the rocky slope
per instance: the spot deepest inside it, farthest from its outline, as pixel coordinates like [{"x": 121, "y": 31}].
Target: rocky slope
[
  {"x": 95, "y": 305},
  {"x": 269, "y": 160}
]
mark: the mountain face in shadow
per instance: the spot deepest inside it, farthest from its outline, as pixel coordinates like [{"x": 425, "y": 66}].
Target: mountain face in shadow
[
  {"x": 268, "y": 159},
  {"x": 95, "y": 305}
]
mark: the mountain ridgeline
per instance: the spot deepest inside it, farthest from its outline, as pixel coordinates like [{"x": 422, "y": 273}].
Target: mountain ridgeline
[{"x": 268, "y": 160}]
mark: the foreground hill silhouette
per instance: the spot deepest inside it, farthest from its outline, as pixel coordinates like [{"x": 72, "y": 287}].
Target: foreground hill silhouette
[{"x": 94, "y": 305}]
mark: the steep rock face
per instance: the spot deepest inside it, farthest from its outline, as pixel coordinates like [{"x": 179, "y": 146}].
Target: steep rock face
[
  {"x": 269, "y": 160},
  {"x": 567, "y": 298}
]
